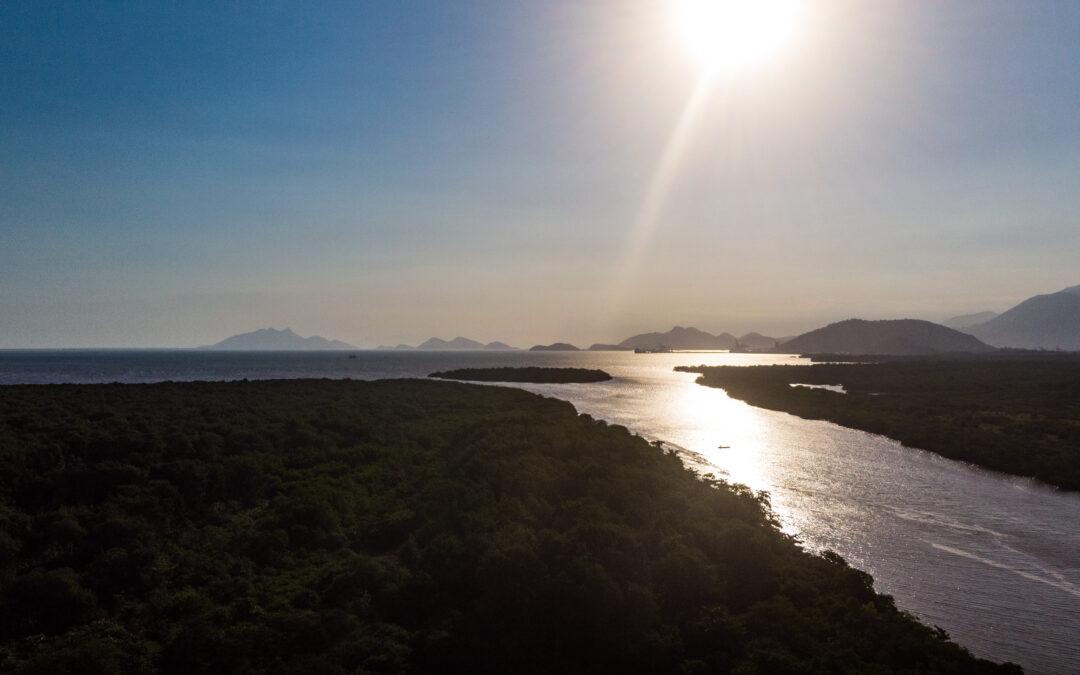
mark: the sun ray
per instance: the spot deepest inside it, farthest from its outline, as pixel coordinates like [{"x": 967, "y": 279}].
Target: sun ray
[{"x": 658, "y": 190}]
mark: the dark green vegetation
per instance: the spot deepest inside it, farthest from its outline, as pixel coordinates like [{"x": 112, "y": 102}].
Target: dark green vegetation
[
  {"x": 1021, "y": 416},
  {"x": 400, "y": 526},
  {"x": 531, "y": 374}
]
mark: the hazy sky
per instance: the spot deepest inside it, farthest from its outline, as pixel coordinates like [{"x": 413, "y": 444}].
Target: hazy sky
[{"x": 172, "y": 173}]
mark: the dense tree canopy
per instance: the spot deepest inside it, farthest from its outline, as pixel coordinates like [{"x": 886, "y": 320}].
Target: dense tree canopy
[{"x": 400, "y": 526}]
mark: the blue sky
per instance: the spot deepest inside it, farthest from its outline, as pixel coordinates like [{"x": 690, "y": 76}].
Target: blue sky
[{"x": 380, "y": 172}]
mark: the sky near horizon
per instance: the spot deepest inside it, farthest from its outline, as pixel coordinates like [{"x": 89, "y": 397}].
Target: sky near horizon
[{"x": 381, "y": 172}]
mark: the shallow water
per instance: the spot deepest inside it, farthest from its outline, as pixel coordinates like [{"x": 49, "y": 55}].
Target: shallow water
[{"x": 993, "y": 559}]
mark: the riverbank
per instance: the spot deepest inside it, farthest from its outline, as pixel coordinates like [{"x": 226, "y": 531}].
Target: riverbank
[
  {"x": 1017, "y": 416},
  {"x": 400, "y": 526}
]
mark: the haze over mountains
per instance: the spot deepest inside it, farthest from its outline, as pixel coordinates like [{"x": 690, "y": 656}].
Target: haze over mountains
[{"x": 1050, "y": 321}]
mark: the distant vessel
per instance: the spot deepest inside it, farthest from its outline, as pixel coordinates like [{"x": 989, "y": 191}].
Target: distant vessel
[
  {"x": 659, "y": 349},
  {"x": 352, "y": 356}
]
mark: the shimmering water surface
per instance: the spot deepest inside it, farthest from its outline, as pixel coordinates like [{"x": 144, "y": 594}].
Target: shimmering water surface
[{"x": 993, "y": 559}]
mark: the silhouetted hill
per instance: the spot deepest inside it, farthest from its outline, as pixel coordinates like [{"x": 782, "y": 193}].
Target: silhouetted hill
[
  {"x": 680, "y": 338},
  {"x": 272, "y": 339},
  {"x": 757, "y": 341},
  {"x": 499, "y": 346},
  {"x": 400, "y": 346},
  {"x": 556, "y": 347},
  {"x": 458, "y": 343},
  {"x": 1049, "y": 321},
  {"x": 901, "y": 336},
  {"x": 968, "y": 320}
]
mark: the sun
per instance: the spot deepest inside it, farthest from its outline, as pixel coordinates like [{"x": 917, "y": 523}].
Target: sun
[{"x": 736, "y": 36}]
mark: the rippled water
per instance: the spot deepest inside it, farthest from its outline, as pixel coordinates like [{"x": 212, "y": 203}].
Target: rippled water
[{"x": 993, "y": 559}]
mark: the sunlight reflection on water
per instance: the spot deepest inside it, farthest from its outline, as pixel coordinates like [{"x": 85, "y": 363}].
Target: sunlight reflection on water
[{"x": 993, "y": 559}]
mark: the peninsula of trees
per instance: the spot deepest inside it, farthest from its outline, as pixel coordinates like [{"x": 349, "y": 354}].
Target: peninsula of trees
[
  {"x": 401, "y": 526},
  {"x": 529, "y": 374}
]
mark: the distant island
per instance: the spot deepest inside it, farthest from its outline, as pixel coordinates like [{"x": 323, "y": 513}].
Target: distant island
[
  {"x": 690, "y": 338},
  {"x": 556, "y": 347},
  {"x": 898, "y": 336},
  {"x": 680, "y": 338},
  {"x": 270, "y": 339},
  {"x": 532, "y": 374},
  {"x": 457, "y": 344}
]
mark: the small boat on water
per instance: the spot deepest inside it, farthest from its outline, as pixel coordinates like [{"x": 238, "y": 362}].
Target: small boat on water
[{"x": 724, "y": 447}]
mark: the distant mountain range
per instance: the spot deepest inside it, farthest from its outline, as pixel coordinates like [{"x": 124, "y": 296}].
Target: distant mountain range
[
  {"x": 685, "y": 338},
  {"x": 1050, "y": 321},
  {"x": 900, "y": 336},
  {"x": 272, "y": 339},
  {"x": 680, "y": 338},
  {"x": 457, "y": 344}
]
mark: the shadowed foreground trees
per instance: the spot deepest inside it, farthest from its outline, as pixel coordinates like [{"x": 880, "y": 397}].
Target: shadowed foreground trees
[{"x": 400, "y": 526}]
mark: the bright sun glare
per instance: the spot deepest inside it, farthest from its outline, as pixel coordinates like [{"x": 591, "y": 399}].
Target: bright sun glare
[{"x": 736, "y": 36}]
